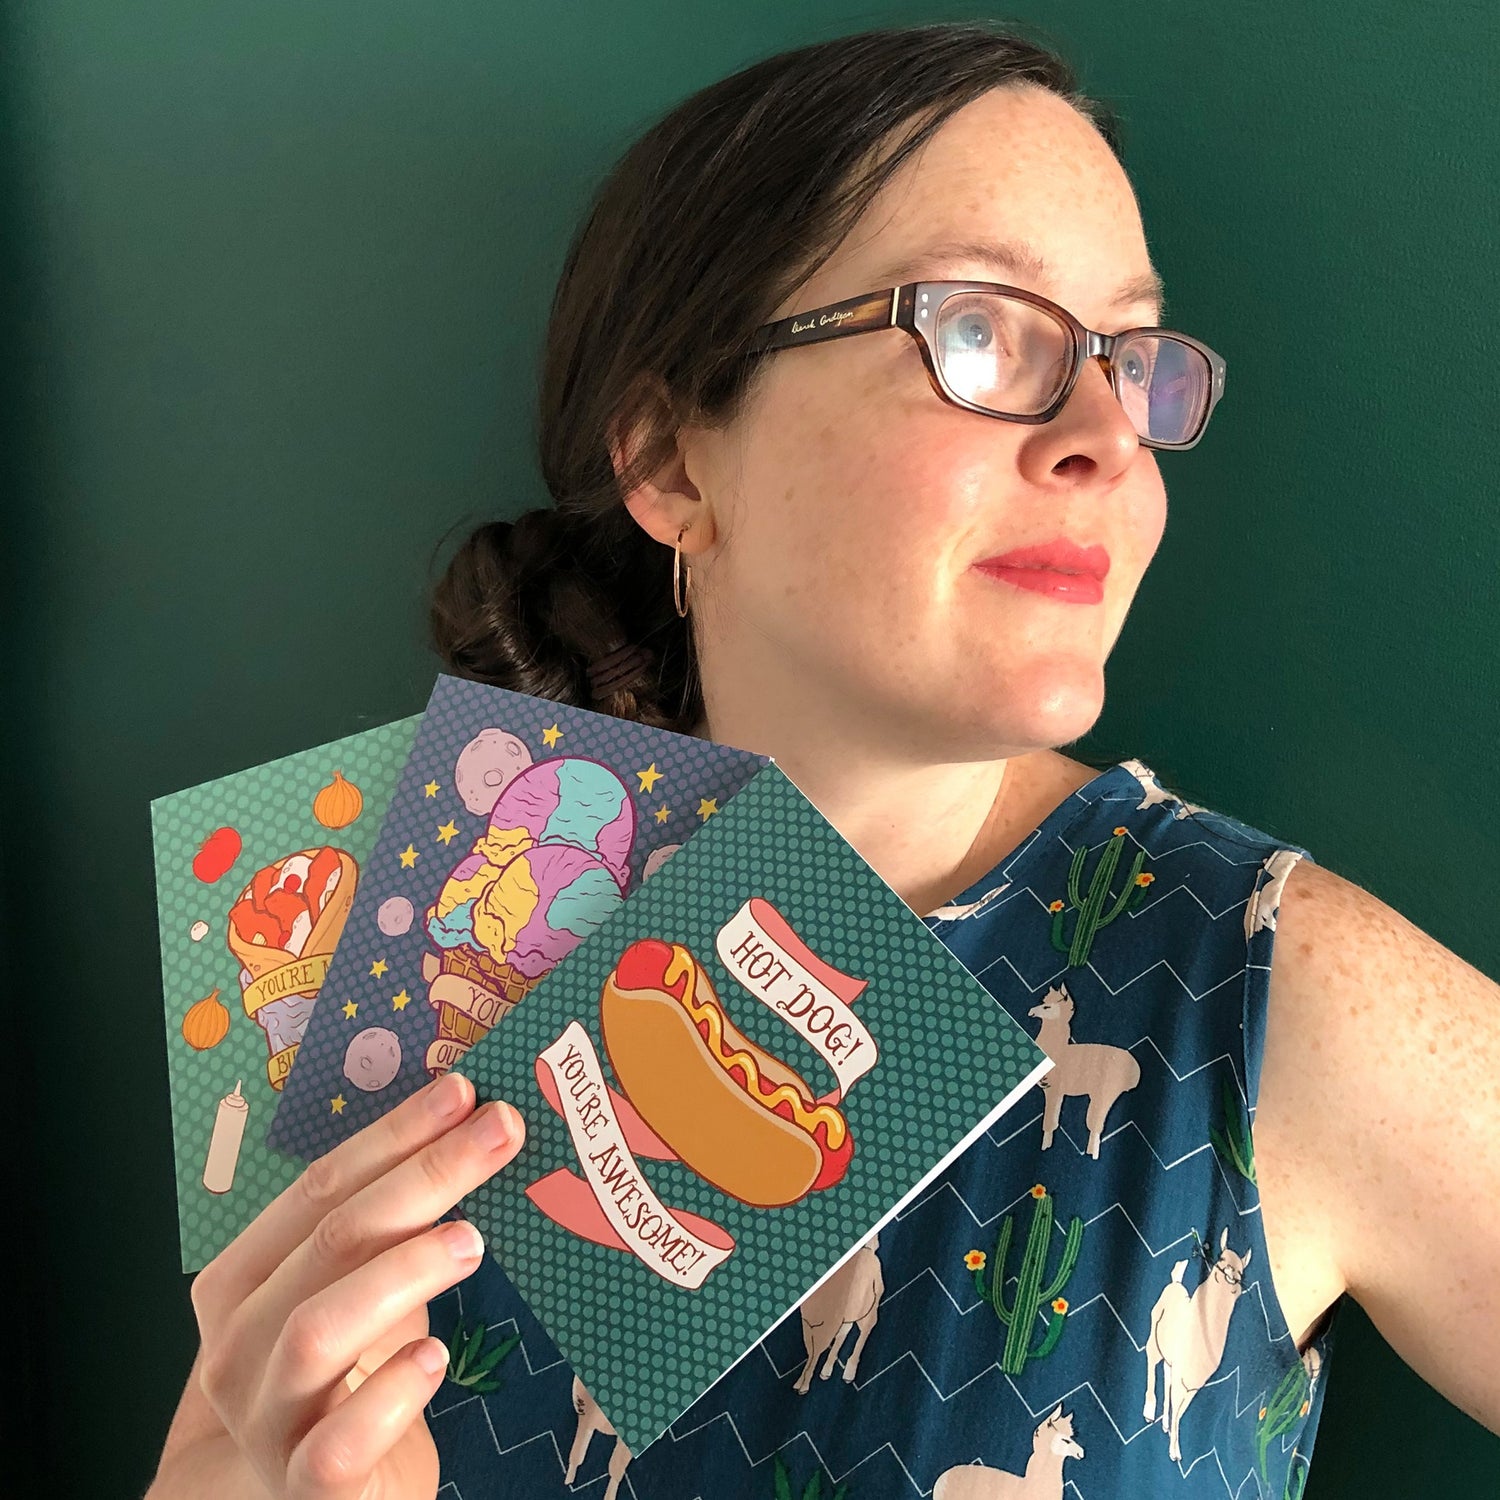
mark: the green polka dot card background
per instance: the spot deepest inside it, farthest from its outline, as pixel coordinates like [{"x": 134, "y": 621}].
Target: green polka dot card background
[
  {"x": 518, "y": 824},
  {"x": 621, "y": 1253},
  {"x": 283, "y": 846}
]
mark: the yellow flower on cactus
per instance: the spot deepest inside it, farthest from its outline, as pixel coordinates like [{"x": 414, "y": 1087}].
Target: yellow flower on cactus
[
  {"x": 1262, "y": 1414},
  {"x": 975, "y": 1260},
  {"x": 1059, "y": 1304},
  {"x": 1120, "y": 829},
  {"x": 1144, "y": 878},
  {"x": 1055, "y": 906},
  {"x": 1039, "y": 1191},
  {"x": 1305, "y": 1406}
]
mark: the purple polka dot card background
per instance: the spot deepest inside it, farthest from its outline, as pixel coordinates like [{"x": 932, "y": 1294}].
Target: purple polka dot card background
[{"x": 517, "y": 826}]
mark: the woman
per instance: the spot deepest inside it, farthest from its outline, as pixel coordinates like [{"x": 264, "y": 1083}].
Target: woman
[{"x": 775, "y": 522}]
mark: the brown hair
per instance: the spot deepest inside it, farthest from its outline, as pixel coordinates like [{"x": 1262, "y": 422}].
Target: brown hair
[{"x": 706, "y": 224}]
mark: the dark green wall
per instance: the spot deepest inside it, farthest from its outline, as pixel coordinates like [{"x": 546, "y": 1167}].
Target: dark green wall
[{"x": 278, "y": 275}]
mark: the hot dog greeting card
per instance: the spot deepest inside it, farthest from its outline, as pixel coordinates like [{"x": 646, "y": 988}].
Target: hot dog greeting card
[
  {"x": 518, "y": 825},
  {"x": 728, "y": 1088},
  {"x": 255, "y": 877}
]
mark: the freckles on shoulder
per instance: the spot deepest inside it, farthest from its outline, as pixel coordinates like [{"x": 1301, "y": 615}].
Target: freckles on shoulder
[{"x": 1344, "y": 955}]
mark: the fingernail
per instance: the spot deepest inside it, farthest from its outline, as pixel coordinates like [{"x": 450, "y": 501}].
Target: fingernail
[
  {"x": 430, "y": 1356},
  {"x": 496, "y": 1125},
  {"x": 447, "y": 1095},
  {"x": 464, "y": 1240}
]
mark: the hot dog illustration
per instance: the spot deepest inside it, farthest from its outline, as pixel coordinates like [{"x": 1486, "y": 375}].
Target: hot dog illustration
[
  {"x": 737, "y": 1115},
  {"x": 689, "y": 1086}
]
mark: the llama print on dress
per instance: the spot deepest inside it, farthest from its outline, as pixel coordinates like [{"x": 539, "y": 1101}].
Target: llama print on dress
[
  {"x": 963, "y": 910},
  {"x": 1051, "y": 1443},
  {"x": 850, "y": 1298},
  {"x": 1096, "y": 1069},
  {"x": 590, "y": 1421},
  {"x": 1261, "y": 908},
  {"x": 1158, "y": 795},
  {"x": 1187, "y": 1337}
]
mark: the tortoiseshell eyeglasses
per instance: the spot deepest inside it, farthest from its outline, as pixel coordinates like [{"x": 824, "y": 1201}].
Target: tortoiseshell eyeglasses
[{"x": 1010, "y": 353}]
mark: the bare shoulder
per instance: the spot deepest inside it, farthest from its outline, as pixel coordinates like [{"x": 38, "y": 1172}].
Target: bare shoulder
[{"x": 1377, "y": 1131}]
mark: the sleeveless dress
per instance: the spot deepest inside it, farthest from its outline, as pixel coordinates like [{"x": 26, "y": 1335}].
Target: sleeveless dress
[{"x": 1082, "y": 1300}]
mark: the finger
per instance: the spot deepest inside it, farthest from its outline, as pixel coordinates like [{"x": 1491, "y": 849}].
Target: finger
[
  {"x": 340, "y": 1453},
  {"x": 395, "y": 1207},
  {"x": 325, "y": 1336},
  {"x": 352, "y": 1165}
]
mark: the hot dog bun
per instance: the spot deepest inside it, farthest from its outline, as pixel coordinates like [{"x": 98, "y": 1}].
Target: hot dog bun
[{"x": 743, "y": 1119}]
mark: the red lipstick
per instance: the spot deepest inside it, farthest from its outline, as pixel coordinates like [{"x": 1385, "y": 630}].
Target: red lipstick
[{"x": 1060, "y": 568}]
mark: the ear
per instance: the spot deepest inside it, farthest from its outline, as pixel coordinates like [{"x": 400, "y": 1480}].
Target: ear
[{"x": 666, "y": 499}]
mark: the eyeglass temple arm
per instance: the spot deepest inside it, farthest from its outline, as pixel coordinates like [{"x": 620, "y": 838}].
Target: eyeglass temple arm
[{"x": 836, "y": 320}]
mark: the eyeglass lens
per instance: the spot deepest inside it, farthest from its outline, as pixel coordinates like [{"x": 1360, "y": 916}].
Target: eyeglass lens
[{"x": 1011, "y": 357}]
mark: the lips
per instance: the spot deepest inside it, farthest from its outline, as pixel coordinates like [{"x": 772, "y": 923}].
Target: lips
[{"x": 1057, "y": 556}]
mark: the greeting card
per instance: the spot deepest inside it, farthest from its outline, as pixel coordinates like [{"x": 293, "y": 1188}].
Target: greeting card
[
  {"x": 729, "y": 1086},
  {"x": 255, "y": 877}
]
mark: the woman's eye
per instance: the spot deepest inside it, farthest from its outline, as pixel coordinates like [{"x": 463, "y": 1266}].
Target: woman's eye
[
  {"x": 972, "y": 331},
  {"x": 1134, "y": 367}
]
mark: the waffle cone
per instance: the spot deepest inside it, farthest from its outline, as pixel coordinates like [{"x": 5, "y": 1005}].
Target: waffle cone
[{"x": 457, "y": 1030}]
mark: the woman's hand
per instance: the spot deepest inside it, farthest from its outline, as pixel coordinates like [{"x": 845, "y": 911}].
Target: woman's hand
[{"x": 315, "y": 1363}]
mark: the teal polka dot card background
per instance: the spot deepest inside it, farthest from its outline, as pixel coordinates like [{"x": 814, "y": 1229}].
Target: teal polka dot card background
[
  {"x": 255, "y": 875},
  {"x": 518, "y": 824},
  {"x": 728, "y": 1087}
]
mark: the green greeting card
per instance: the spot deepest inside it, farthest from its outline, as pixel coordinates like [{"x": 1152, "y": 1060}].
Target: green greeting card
[
  {"x": 729, "y": 1086},
  {"x": 255, "y": 875}
]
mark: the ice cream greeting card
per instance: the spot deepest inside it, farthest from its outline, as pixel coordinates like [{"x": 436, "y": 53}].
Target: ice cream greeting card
[
  {"x": 255, "y": 877},
  {"x": 518, "y": 825},
  {"x": 728, "y": 1088}
]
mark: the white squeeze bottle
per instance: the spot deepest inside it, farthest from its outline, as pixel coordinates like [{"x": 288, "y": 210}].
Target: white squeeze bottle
[{"x": 224, "y": 1147}]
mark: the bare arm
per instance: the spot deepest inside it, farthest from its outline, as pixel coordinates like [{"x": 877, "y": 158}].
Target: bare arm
[{"x": 1378, "y": 1132}]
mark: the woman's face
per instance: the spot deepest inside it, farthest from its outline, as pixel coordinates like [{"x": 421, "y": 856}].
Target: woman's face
[{"x": 850, "y": 504}]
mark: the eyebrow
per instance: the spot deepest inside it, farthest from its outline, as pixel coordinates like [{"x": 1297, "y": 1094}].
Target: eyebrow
[{"x": 1018, "y": 258}]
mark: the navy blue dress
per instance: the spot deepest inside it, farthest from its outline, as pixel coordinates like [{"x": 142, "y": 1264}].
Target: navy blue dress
[{"x": 1082, "y": 1300}]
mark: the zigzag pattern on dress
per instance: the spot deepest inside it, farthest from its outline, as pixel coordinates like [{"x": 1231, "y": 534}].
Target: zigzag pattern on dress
[{"x": 1171, "y": 994}]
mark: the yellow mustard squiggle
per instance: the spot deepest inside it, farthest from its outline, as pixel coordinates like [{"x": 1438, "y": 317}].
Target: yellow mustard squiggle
[{"x": 681, "y": 964}]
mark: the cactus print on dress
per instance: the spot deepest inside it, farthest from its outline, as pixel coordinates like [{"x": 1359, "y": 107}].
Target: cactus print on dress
[{"x": 1081, "y": 1302}]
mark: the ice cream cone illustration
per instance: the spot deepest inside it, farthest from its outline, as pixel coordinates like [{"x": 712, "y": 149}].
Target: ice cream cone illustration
[
  {"x": 283, "y": 929},
  {"x": 553, "y": 863}
]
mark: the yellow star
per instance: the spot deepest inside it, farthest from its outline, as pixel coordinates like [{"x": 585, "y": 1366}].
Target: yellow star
[
  {"x": 431, "y": 789},
  {"x": 336, "y": 1104},
  {"x": 662, "y": 815},
  {"x": 551, "y": 736},
  {"x": 408, "y": 857},
  {"x": 649, "y": 777},
  {"x": 379, "y": 967},
  {"x": 400, "y": 999},
  {"x": 350, "y": 1009},
  {"x": 707, "y": 807},
  {"x": 447, "y": 831}
]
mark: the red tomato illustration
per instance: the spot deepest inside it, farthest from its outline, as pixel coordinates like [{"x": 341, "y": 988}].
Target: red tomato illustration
[{"x": 216, "y": 854}]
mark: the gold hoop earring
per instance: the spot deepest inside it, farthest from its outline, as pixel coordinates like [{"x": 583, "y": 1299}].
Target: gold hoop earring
[{"x": 679, "y": 593}]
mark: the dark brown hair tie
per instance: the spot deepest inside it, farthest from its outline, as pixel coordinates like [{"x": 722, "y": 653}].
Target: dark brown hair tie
[{"x": 610, "y": 672}]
